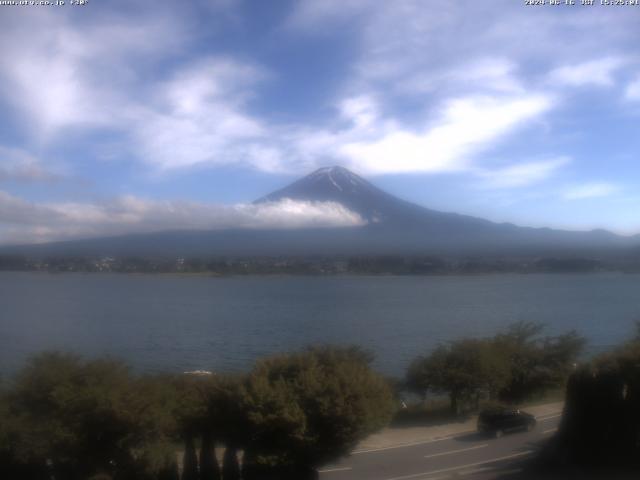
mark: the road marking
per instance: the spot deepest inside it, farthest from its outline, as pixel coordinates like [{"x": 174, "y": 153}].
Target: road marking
[
  {"x": 329, "y": 470},
  {"x": 549, "y": 431},
  {"x": 486, "y": 469},
  {"x": 412, "y": 444},
  {"x": 542, "y": 418},
  {"x": 549, "y": 417},
  {"x": 473, "y": 471},
  {"x": 456, "y": 451},
  {"x": 460, "y": 467}
]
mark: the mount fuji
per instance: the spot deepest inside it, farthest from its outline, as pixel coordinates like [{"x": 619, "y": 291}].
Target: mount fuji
[
  {"x": 390, "y": 226},
  {"x": 395, "y": 223},
  {"x": 337, "y": 184}
]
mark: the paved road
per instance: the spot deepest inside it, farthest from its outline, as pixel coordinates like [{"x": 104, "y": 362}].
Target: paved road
[{"x": 468, "y": 455}]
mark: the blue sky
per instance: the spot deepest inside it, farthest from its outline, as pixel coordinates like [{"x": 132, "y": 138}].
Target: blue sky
[{"x": 124, "y": 118}]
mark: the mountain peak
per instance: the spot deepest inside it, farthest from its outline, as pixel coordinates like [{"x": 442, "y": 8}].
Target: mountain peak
[
  {"x": 332, "y": 169},
  {"x": 340, "y": 185},
  {"x": 334, "y": 183},
  {"x": 338, "y": 178}
]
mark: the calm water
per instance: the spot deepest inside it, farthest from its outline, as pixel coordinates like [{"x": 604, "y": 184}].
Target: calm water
[{"x": 181, "y": 323}]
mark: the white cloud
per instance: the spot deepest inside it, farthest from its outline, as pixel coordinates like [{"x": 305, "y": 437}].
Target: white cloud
[
  {"x": 199, "y": 114},
  {"x": 590, "y": 190},
  {"x": 465, "y": 126},
  {"x": 79, "y": 75},
  {"x": 365, "y": 139},
  {"x": 468, "y": 84},
  {"x": 522, "y": 174},
  {"x": 361, "y": 111},
  {"x": 598, "y": 72},
  {"x": 28, "y": 222},
  {"x": 632, "y": 92},
  {"x": 73, "y": 79},
  {"x": 489, "y": 68},
  {"x": 405, "y": 43},
  {"x": 18, "y": 165},
  {"x": 15, "y": 211},
  {"x": 197, "y": 117},
  {"x": 488, "y": 74}
]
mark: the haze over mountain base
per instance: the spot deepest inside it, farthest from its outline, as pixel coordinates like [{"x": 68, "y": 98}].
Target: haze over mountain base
[{"x": 390, "y": 226}]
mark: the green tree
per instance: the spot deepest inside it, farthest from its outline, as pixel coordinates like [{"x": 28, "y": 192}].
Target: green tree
[
  {"x": 511, "y": 366},
  {"x": 309, "y": 408},
  {"x": 209, "y": 468},
  {"x": 190, "y": 460},
  {"x": 424, "y": 372},
  {"x": 601, "y": 421},
  {"x": 75, "y": 419},
  {"x": 227, "y": 421},
  {"x": 192, "y": 416},
  {"x": 157, "y": 404},
  {"x": 230, "y": 464},
  {"x": 73, "y": 415},
  {"x": 536, "y": 363},
  {"x": 464, "y": 370}
]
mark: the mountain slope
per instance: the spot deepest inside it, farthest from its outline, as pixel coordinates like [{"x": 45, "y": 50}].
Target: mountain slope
[
  {"x": 394, "y": 226},
  {"x": 337, "y": 184},
  {"x": 411, "y": 225}
]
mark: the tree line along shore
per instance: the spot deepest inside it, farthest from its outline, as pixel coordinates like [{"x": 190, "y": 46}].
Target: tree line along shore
[
  {"x": 321, "y": 265},
  {"x": 71, "y": 418}
]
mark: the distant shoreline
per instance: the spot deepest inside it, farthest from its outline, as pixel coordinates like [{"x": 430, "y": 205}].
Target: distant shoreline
[
  {"x": 317, "y": 275},
  {"x": 378, "y": 265}
]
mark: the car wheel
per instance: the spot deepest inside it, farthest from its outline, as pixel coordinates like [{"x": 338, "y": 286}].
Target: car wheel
[
  {"x": 498, "y": 433},
  {"x": 530, "y": 427}
]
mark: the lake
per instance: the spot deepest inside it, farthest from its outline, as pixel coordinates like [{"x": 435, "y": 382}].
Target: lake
[{"x": 177, "y": 323}]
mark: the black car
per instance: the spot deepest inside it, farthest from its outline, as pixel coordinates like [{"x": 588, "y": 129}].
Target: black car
[{"x": 499, "y": 421}]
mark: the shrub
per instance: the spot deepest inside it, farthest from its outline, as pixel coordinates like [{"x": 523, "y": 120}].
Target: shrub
[{"x": 309, "y": 408}]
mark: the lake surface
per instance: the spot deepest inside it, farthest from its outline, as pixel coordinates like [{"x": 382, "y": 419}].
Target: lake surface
[{"x": 179, "y": 323}]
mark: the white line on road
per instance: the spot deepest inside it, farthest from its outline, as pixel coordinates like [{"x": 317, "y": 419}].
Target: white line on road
[
  {"x": 473, "y": 471},
  {"x": 457, "y": 451},
  {"x": 549, "y": 431},
  {"x": 450, "y": 469},
  {"x": 549, "y": 417},
  {"x": 329, "y": 470},
  {"x": 541, "y": 418},
  {"x": 412, "y": 444},
  {"x": 486, "y": 469}
]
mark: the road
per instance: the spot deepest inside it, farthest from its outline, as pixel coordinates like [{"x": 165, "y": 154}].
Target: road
[{"x": 468, "y": 455}]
